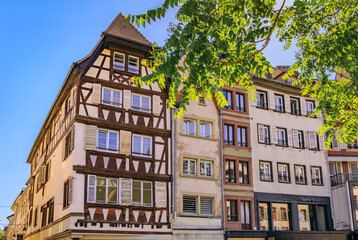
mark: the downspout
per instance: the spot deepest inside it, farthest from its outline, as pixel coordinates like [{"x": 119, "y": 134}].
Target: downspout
[
  {"x": 174, "y": 168},
  {"x": 221, "y": 169}
]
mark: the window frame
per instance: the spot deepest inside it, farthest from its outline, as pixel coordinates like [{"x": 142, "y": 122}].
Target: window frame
[
  {"x": 107, "y": 140},
  {"x": 229, "y": 169},
  {"x": 263, "y": 105},
  {"x": 124, "y": 61},
  {"x": 106, "y": 191},
  {"x": 198, "y": 209},
  {"x": 138, "y": 64},
  {"x": 310, "y": 102},
  {"x": 188, "y": 160},
  {"x": 205, "y": 162},
  {"x": 268, "y": 134},
  {"x": 112, "y": 103},
  {"x": 142, "y": 193},
  {"x": 187, "y": 131},
  {"x": 204, "y": 123},
  {"x": 212, "y": 206},
  {"x": 141, "y": 108},
  {"x": 196, "y": 204},
  {"x": 229, "y": 99},
  {"x": 226, "y": 131},
  {"x": 142, "y": 154},
  {"x": 298, "y": 110},
  {"x": 277, "y": 107},
  {"x": 304, "y": 173},
  {"x": 270, "y": 173},
  {"x": 320, "y": 176},
  {"x": 288, "y": 172},
  {"x": 283, "y": 143},
  {"x": 232, "y": 202},
  {"x": 67, "y": 193},
  {"x": 243, "y": 175},
  {"x": 241, "y": 143},
  {"x": 240, "y": 105}
]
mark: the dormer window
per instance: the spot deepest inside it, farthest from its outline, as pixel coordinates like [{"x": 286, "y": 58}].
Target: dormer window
[
  {"x": 119, "y": 61},
  {"x": 133, "y": 64}
]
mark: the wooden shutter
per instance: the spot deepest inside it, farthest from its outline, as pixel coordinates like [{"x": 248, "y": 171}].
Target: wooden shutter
[
  {"x": 303, "y": 106},
  {"x": 312, "y": 140},
  {"x": 289, "y": 137},
  {"x": 287, "y": 104},
  {"x": 254, "y": 101},
  {"x": 306, "y": 140},
  {"x": 127, "y": 99},
  {"x": 156, "y": 105},
  {"x": 125, "y": 142},
  {"x": 321, "y": 142},
  {"x": 91, "y": 191},
  {"x": 273, "y": 135},
  {"x": 271, "y": 97},
  {"x": 96, "y": 94},
  {"x": 295, "y": 138},
  {"x": 334, "y": 140},
  {"x": 42, "y": 172},
  {"x": 126, "y": 191},
  {"x": 260, "y": 129},
  {"x": 91, "y": 137},
  {"x": 69, "y": 191},
  {"x": 72, "y": 145},
  {"x": 160, "y": 194}
]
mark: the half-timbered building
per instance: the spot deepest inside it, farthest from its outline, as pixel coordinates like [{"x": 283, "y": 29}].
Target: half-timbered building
[{"x": 100, "y": 165}]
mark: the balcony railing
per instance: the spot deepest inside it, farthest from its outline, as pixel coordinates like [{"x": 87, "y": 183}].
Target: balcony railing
[{"x": 342, "y": 178}]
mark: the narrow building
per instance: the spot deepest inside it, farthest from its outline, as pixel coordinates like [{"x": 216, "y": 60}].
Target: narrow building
[{"x": 100, "y": 165}]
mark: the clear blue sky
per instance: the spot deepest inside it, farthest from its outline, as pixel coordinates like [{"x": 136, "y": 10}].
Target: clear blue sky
[{"x": 39, "y": 41}]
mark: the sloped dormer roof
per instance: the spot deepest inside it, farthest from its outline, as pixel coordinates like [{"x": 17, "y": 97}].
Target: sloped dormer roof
[{"x": 121, "y": 28}]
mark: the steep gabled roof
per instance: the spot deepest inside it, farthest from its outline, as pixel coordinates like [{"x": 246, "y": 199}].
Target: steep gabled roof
[{"x": 121, "y": 28}]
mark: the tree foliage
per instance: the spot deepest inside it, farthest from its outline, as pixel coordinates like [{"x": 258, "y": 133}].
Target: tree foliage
[{"x": 219, "y": 43}]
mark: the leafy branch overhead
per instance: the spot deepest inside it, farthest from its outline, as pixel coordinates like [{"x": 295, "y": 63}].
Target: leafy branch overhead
[{"x": 219, "y": 43}]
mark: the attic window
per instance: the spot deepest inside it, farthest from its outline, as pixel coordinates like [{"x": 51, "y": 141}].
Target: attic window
[
  {"x": 133, "y": 64},
  {"x": 118, "y": 62}
]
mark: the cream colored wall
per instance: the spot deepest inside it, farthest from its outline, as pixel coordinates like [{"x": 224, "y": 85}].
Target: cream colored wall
[
  {"x": 341, "y": 210},
  {"x": 289, "y": 155},
  {"x": 199, "y": 148}
]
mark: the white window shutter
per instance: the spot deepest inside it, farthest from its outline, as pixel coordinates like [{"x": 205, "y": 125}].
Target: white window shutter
[
  {"x": 91, "y": 191},
  {"x": 312, "y": 140},
  {"x": 306, "y": 140},
  {"x": 91, "y": 137},
  {"x": 334, "y": 141},
  {"x": 126, "y": 191},
  {"x": 273, "y": 135},
  {"x": 289, "y": 137},
  {"x": 125, "y": 142},
  {"x": 321, "y": 142},
  {"x": 260, "y": 129},
  {"x": 160, "y": 194},
  {"x": 254, "y": 101},
  {"x": 156, "y": 105},
  {"x": 42, "y": 172},
  {"x": 303, "y": 106},
  {"x": 96, "y": 93},
  {"x": 295, "y": 138},
  {"x": 70, "y": 190},
  {"x": 287, "y": 104},
  {"x": 72, "y": 138},
  {"x": 127, "y": 99},
  {"x": 272, "y": 99}
]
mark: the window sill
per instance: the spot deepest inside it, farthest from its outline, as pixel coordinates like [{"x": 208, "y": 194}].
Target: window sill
[
  {"x": 199, "y": 137},
  {"x": 289, "y": 182},
  {"x": 108, "y": 151},
  {"x": 196, "y": 176},
  {"x": 125, "y": 72},
  {"x": 195, "y": 215},
  {"x": 319, "y": 185},
  {"x": 142, "y": 156},
  {"x": 263, "y": 180},
  {"x": 141, "y": 111},
  {"x": 300, "y": 183},
  {"x": 262, "y": 108}
]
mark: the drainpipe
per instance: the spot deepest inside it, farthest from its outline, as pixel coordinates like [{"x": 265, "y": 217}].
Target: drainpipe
[
  {"x": 174, "y": 168},
  {"x": 221, "y": 169}
]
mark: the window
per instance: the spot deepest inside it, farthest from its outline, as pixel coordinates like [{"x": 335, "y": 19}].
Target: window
[
  {"x": 306, "y": 222},
  {"x": 206, "y": 206},
  {"x": 353, "y": 145},
  {"x": 316, "y": 176},
  {"x": 281, "y": 137},
  {"x": 142, "y": 193},
  {"x": 189, "y": 127},
  {"x": 118, "y": 61},
  {"x": 189, "y": 204},
  {"x": 202, "y": 101},
  {"x": 263, "y": 208},
  {"x": 263, "y": 133},
  {"x": 244, "y": 172},
  {"x": 281, "y": 221},
  {"x": 141, "y": 103},
  {"x": 47, "y": 171},
  {"x": 189, "y": 167},
  {"x": 106, "y": 190},
  {"x": 300, "y": 139},
  {"x": 240, "y": 102},
  {"x": 67, "y": 105},
  {"x": 111, "y": 97},
  {"x": 205, "y": 129},
  {"x": 262, "y": 100},
  {"x": 107, "y": 140},
  {"x": 229, "y": 134},
  {"x": 231, "y": 210},
  {"x": 44, "y": 215},
  {"x": 206, "y": 168},
  {"x": 142, "y": 146},
  {"x": 313, "y": 141},
  {"x": 35, "y": 217},
  {"x": 67, "y": 192},
  {"x": 133, "y": 64},
  {"x": 283, "y": 172},
  {"x": 295, "y": 106},
  {"x": 228, "y": 97},
  {"x": 69, "y": 142},
  {"x": 300, "y": 174},
  {"x": 230, "y": 171},
  {"x": 245, "y": 215},
  {"x": 241, "y": 137},
  {"x": 309, "y": 107},
  {"x": 279, "y": 103},
  {"x": 51, "y": 208},
  {"x": 265, "y": 171}
]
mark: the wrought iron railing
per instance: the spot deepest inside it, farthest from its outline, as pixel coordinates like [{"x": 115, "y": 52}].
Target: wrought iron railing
[{"x": 342, "y": 178}]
